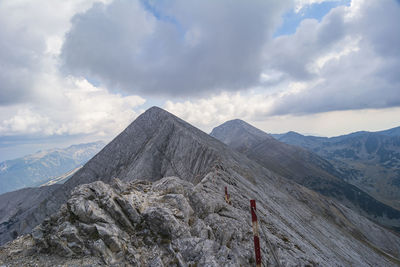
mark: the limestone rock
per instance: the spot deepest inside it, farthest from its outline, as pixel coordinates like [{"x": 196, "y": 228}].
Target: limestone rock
[{"x": 130, "y": 223}]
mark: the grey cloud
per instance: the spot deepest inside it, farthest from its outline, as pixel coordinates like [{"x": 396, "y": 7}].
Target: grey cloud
[
  {"x": 189, "y": 47},
  {"x": 366, "y": 78},
  {"x": 20, "y": 52},
  {"x": 292, "y": 54}
]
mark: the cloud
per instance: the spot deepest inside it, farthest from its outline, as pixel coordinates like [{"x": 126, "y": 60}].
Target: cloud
[
  {"x": 34, "y": 99},
  {"x": 172, "y": 48},
  {"x": 80, "y": 109},
  {"x": 207, "y": 61},
  {"x": 30, "y": 33},
  {"x": 20, "y": 52},
  {"x": 350, "y": 56},
  {"x": 211, "y": 111},
  {"x": 178, "y": 49},
  {"x": 255, "y": 108}
]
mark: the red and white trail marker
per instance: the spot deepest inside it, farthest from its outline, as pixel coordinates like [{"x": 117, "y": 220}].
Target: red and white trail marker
[
  {"x": 227, "y": 196},
  {"x": 255, "y": 232}
]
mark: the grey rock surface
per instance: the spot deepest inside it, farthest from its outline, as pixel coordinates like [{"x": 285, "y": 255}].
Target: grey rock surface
[
  {"x": 21, "y": 204},
  {"x": 155, "y": 145},
  {"x": 176, "y": 223},
  {"x": 304, "y": 167}
]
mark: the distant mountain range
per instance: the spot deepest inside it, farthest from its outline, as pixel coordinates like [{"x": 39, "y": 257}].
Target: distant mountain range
[
  {"x": 302, "y": 166},
  {"x": 45, "y": 167},
  {"x": 368, "y": 160}
]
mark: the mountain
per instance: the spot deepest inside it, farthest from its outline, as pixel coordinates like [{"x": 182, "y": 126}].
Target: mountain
[
  {"x": 368, "y": 160},
  {"x": 154, "y": 196},
  {"x": 62, "y": 178},
  {"x": 41, "y": 167},
  {"x": 390, "y": 132},
  {"x": 303, "y": 167}
]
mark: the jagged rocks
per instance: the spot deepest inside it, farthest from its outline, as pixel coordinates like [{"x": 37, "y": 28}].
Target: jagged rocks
[{"x": 143, "y": 224}]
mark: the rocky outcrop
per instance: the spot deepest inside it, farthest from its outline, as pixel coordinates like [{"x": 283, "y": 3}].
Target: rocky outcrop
[
  {"x": 172, "y": 222},
  {"x": 169, "y": 222}
]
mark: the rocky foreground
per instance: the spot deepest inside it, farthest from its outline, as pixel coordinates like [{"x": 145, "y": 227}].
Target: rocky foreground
[{"x": 169, "y": 222}]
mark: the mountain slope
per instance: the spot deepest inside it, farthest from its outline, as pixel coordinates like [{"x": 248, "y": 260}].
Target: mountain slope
[
  {"x": 155, "y": 145},
  {"x": 299, "y": 223},
  {"x": 305, "y": 168},
  {"x": 39, "y": 168},
  {"x": 370, "y": 161}
]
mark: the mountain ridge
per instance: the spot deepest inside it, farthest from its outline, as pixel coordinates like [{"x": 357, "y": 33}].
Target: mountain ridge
[
  {"x": 304, "y": 167},
  {"x": 369, "y": 160},
  {"x": 140, "y": 157},
  {"x": 298, "y": 221},
  {"x": 44, "y": 165}
]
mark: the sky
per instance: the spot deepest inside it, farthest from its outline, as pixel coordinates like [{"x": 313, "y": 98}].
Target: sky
[{"x": 75, "y": 71}]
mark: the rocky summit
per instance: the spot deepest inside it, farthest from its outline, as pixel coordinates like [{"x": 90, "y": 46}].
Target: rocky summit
[{"x": 155, "y": 197}]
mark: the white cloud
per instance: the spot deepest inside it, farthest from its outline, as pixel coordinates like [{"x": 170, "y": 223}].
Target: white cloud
[
  {"x": 30, "y": 33},
  {"x": 80, "y": 109},
  {"x": 350, "y": 60},
  {"x": 31, "y": 37},
  {"x": 206, "y": 113},
  {"x": 254, "y": 108},
  {"x": 171, "y": 48}
]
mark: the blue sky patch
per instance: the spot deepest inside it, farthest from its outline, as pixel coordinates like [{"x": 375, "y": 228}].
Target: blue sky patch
[
  {"x": 158, "y": 13},
  {"x": 291, "y": 19}
]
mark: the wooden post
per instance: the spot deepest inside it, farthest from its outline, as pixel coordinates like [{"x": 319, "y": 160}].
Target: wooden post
[
  {"x": 255, "y": 232},
  {"x": 227, "y": 196}
]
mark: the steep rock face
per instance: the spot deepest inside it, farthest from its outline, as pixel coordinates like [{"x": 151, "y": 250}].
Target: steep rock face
[
  {"x": 20, "y": 204},
  {"x": 303, "y": 167},
  {"x": 172, "y": 222}
]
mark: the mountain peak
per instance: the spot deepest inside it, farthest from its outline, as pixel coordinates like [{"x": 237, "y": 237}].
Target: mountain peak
[
  {"x": 153, "y": 119},
  {"x": 236, "y": 122},
  {"x": 155, "y": 110},
  {"x": 157, "y": 144},
  {"x": 232, "y": 131},
  {"x": 293, "y": 133}
]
